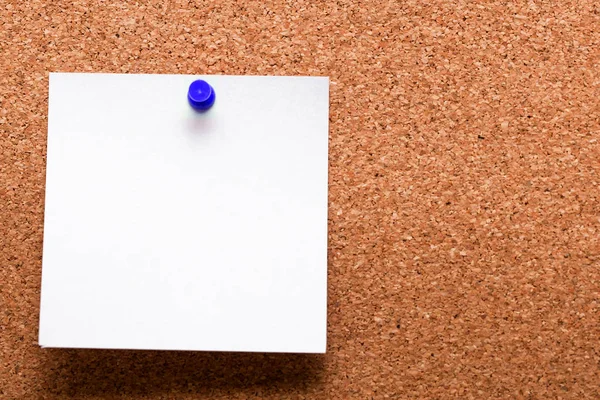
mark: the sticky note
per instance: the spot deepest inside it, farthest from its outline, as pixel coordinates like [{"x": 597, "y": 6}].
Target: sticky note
[{"x": 168, "y": 228}]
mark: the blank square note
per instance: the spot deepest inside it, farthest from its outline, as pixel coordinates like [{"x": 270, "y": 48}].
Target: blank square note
[{"x": 166, "y": 228}]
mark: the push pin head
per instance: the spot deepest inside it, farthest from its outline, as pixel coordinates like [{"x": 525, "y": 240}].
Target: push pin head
[{"x": 201, "y": 95}]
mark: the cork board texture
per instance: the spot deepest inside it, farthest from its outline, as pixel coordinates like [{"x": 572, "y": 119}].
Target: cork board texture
[{"x": 464, "y": 256}]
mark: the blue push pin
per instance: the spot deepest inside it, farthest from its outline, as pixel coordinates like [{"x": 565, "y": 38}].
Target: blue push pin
[{"x": 201, "y": 95}]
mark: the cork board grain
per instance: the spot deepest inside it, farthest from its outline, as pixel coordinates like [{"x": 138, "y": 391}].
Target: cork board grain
[{"x": 464, "y": 256}]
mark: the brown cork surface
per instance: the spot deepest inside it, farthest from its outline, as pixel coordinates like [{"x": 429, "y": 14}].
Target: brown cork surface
[{"x": 464, "y": 253}]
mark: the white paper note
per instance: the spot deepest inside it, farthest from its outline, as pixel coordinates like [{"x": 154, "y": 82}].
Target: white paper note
[{"x": 170, "y": 229}]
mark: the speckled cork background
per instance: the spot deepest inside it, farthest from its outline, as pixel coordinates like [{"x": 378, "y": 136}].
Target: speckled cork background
[{"x": 464, "y": 214}]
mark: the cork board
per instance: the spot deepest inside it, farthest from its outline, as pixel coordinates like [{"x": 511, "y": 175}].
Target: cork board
[{"x": 464, "y": 259}]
